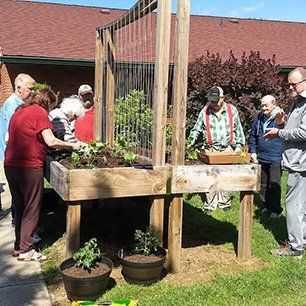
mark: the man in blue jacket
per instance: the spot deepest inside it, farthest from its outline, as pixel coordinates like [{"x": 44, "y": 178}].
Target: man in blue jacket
[{"x": 269, "y": 155}]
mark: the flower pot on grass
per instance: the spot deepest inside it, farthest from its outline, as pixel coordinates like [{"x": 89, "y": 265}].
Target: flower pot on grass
[
  {"x": 145, "y": 262},
  {"x": 86, "y": 275}
]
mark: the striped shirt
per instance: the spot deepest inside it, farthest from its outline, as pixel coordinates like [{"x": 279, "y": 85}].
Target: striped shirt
[{"x": 219, "y": 129}]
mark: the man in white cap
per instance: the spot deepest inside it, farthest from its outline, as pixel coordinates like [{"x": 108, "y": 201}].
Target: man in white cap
[
  {"x": 84, "y": 125},
  {"x": 221, "y": 130}
]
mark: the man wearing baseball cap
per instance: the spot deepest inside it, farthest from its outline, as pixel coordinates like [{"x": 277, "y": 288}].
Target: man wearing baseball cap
[
  {"x": 84, "y": 130},
  {"x": 219, "y": 125}
]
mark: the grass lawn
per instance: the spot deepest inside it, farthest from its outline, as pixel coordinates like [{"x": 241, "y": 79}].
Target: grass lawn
[{"x": 210, "y": 242}]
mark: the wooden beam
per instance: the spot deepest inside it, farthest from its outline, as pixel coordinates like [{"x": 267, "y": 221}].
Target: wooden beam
[
  {"x": 205, "y": 178},
  {"x": 180, "y": 82},
  {"x": 99, "y": 60},
  {"x": 245, "y": 226},
  {"x": 160, "y": 96},
  {"x": 175, "y": 235},
  {"x": 73, "y": 223},
  {"x": 157, "y": 217},
  {"x": 140, "y": 9},
  {"x": 178, "y": 130},
  {"x": 110, "y": 85}
]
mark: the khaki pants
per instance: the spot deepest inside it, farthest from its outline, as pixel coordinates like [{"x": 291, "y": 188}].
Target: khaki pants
[{"x": 4, "y": 188}]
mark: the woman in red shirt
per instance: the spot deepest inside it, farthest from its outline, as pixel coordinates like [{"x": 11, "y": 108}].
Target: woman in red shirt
[{"x": 29, "y": 136}]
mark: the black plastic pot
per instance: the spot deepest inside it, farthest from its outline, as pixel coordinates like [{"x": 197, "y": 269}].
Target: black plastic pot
[
  {"x": 142, "y": 273},
  {"x": 87, "y": 288}
]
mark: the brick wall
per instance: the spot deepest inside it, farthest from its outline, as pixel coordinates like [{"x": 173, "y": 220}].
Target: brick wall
[
  {"x": 63, "y": 79},
  {"x": 6, "y": 84}
]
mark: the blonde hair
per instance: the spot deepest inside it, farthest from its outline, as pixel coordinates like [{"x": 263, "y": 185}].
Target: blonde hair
[{"x": 23, "y": 79}]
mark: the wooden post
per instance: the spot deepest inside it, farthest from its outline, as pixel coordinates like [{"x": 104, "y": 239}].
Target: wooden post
[
  {"x": 110, "y": 86},
  {"x": 160, "y": 96},
  {"x": 73, "y": 223},
  {"x": 245, "y": 226},
  {"x": 178, "y": 136},
  {"x": 98, "y": 86}
]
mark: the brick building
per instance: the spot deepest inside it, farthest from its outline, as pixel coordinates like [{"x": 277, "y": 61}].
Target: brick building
[{"x": 55, "y": 43}]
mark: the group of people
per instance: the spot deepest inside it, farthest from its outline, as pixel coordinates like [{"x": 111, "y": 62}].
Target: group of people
[
  {"x": 277, "y": 141},
  {"x": 31, "y": 125}
]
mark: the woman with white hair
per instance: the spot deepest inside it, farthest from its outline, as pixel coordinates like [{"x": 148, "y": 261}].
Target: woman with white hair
[{"x": 63, "y": 118}]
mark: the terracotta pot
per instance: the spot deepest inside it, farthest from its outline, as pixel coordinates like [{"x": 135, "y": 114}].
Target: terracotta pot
[
  {"x": 85, "y": 288},
  {"x": 142, "y": 272}
]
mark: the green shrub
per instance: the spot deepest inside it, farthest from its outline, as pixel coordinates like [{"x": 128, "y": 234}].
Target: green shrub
[
  {"x": 133, "y": 120},
  {"x": 146, "y": 243},
  {"x": 88, "y": 256}
]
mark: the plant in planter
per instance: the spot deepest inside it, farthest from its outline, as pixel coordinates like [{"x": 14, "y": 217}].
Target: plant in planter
[
  {"x": 86, "y": 274},
  {"x": 144, "y": 263}
]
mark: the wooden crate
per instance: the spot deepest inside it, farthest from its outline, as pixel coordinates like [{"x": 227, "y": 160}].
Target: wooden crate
[{"x": 224, "y": 158}]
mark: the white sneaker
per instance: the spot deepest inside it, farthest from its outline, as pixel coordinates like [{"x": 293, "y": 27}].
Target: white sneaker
[
  {"x": 209, "y": 207},
  {"x": 31, "y": 255},
  {"x": 224, "y": 205},
  {"x": 36, "y": 238}
]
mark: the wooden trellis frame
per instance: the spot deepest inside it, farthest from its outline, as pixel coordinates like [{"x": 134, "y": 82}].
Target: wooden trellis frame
[{"x": 173, "y": 180}]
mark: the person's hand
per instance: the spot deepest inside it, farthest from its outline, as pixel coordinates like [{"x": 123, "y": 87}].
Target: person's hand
[
  {"x": 77, "y": 145},
  {"x": 254, "y": 158},
  {"x": 280, "y": 118},
  {"x": 272, "y": 133}
]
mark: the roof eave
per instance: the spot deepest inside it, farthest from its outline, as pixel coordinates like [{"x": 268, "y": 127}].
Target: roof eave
[{"x": 17, "y": 59}]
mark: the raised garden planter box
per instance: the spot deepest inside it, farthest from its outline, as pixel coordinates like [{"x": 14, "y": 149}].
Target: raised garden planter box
[
  {"x": 101, "y": 183},
  {"x": 225, "y": 158}
]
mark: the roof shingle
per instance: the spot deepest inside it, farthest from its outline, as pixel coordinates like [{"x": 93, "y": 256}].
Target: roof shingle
[{"x": 68, "y": 31}]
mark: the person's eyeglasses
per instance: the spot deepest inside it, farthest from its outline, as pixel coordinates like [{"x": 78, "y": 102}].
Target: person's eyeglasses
[{"x": 295, "y": 84}]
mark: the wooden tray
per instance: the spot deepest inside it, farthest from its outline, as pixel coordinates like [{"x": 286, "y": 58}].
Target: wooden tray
[{"x": 224, "y": 158}]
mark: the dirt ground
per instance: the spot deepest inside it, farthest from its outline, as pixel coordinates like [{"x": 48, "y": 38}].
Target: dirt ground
[{"x": 199, "y": 264}]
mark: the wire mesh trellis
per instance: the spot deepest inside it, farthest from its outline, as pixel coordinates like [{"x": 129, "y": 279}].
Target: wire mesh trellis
[{"x": 130, "y": 56}]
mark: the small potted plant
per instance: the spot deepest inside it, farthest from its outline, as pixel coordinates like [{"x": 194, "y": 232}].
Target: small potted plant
[
  {"x": 143, "y": 264},
  {"x": 86, "y": 274}
]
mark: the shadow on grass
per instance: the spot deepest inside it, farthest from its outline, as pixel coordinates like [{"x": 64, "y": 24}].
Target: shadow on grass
[
  {"x": 276, "y": 226},
  {"x": 200, "y": 228}
]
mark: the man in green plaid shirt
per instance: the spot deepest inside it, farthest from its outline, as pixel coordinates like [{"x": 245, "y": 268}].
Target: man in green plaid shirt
[{"x": 221, "y": 130}]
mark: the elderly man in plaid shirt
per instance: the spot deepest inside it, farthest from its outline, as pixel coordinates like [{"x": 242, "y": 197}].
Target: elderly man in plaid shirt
[{"x": 221, "y": 130}]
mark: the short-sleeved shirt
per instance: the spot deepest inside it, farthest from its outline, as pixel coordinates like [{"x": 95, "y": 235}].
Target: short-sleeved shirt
[
  {"x": 84, "y": 127},
  {"x": 26, "y": 147},
  {"x": 6, "y": 112}
]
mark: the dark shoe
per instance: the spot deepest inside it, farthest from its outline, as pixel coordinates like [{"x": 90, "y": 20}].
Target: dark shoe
[
  {"x": 265, "y": 210},
  {"x": 276, "y": 215},
  {"x": 287, "y": 251}
]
